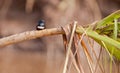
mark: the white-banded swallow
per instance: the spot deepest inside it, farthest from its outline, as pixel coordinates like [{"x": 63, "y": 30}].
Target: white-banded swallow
[{"x": 40, "y": 25}]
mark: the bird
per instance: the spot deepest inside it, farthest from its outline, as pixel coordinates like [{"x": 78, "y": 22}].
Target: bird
[{"x": 40, "y": 25}]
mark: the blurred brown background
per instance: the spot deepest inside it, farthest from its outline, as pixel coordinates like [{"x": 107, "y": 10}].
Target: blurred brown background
[{"x": 46, "y": 54}]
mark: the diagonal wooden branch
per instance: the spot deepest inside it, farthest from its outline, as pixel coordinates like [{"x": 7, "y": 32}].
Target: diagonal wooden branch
[{"x": 29, "y": 35}]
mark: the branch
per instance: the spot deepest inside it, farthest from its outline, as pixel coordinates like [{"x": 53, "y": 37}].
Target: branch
[{"x": 29, "y": 35}]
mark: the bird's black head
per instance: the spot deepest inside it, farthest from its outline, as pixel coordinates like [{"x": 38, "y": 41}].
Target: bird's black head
[
  {"x": 41, "y": 21},
  {"x": 41, "y": 25}
]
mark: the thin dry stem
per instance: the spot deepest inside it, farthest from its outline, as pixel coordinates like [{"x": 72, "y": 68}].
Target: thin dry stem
[
  {"x": 69, "y": 47},
  {"x": 80, "y": 66},
  {"x": 93, "y": 51},
  {"x": 89, "y": 58}
]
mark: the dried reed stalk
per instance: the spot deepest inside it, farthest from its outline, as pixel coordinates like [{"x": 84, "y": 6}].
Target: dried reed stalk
[{"x": 69, "y": 48}]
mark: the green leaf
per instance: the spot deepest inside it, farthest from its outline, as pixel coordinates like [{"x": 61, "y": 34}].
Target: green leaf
[
  {"x": 108, "y": 19},
  {"x": 107, "y": 40},
  {"x": 115, "y": 29}
]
